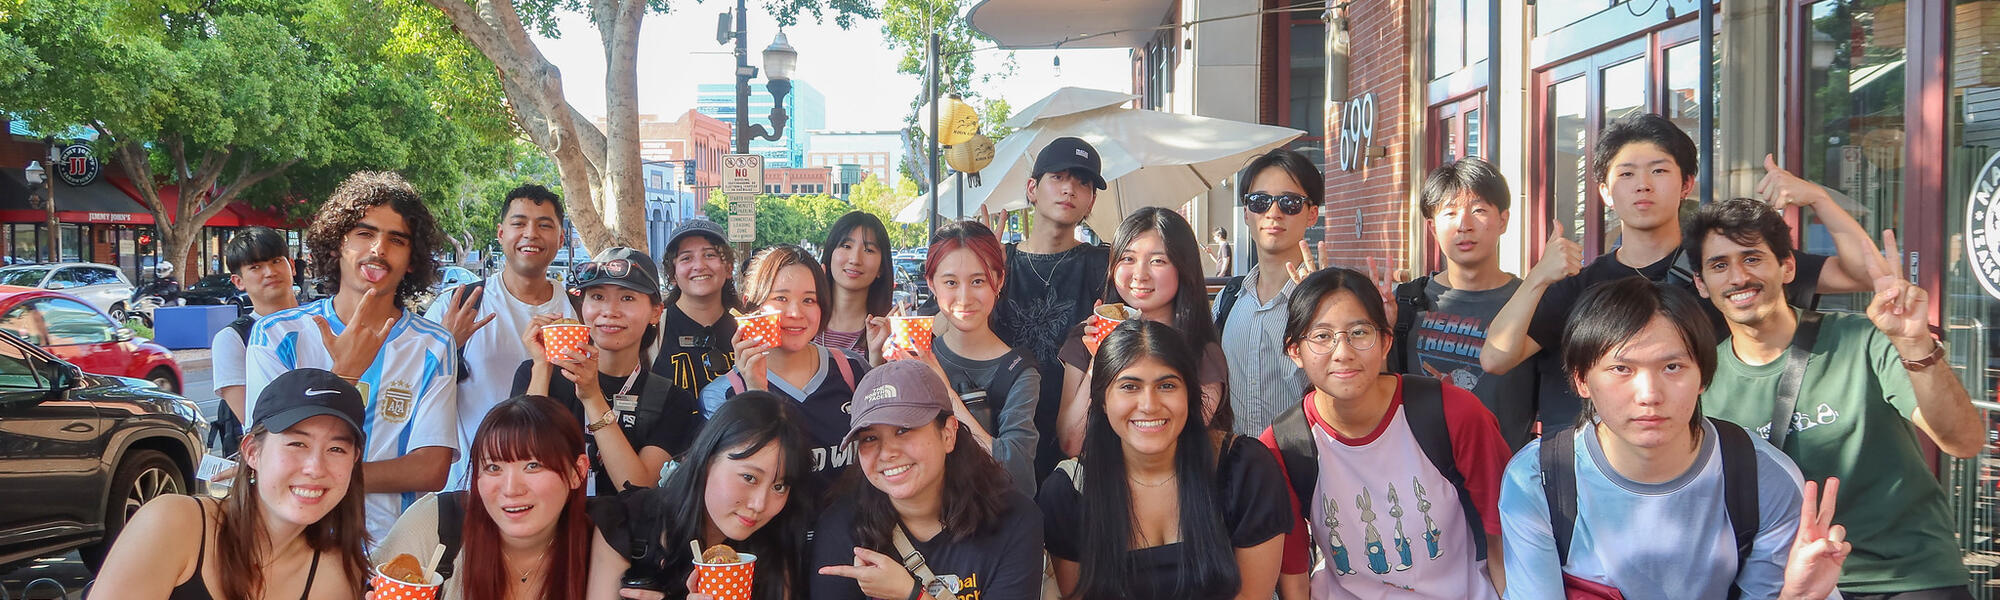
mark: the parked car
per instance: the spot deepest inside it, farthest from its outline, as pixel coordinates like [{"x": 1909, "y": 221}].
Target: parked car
[
  {"x": 214, "y": 290},
  {"x": 449, "y": 277},
  {"x": 911, "y": 282},
  {"x": 81, "y": 335},
  {"x": 83, "y": 453},
  {"x": 102, "y": 286}
]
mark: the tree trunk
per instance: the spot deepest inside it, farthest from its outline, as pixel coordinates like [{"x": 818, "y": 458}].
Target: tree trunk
[
  {"x": 600, "y": 173},
  {"x": 202, "y": 193}
]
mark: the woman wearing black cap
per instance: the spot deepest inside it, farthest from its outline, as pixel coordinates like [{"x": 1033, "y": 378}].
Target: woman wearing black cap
[
  {"x": 696, "y": 329},
  {"x": 637, "y": 420},
  {"x": 288, "y": 529}
]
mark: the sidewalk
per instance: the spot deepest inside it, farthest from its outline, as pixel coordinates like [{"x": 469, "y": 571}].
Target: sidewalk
[{"x": 192, "y": 359}]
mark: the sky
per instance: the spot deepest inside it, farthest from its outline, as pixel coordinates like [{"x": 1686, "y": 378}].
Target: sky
[{"x": 854, "y": 68}]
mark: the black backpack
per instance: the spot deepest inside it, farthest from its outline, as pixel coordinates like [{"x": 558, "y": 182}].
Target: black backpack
[
  {"x": 1225, "y": 300},
  {"x": 1739, "y": 488},
  {"x": 1423, "y": 406},
  {"x": 450, "y": 529},
  {"x": 1410, "y": 303},
  {"x": 225, "y": 434}
]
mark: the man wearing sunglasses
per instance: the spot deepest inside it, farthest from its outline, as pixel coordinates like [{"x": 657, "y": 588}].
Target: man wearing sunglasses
[
  {"x": 486, "y": 318},
  {"x": 1282, "y": 193}
]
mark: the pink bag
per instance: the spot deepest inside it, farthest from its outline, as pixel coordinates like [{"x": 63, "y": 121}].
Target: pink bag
[{"x": 1578, "y": 588}]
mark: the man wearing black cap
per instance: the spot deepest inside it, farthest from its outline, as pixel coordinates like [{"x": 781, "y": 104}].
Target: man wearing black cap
[
  {"x": 486, "y": 318},
  {"x": 1053, "y": 279},
  {"x": 694, "y": 333},
  {"x": 372, "y": 240},
  {"x": 636, "y": 419}
]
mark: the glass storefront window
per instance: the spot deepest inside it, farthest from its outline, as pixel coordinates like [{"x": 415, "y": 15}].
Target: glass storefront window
[
  {"x": 1571, "y": 167},
  {"x": 1472, "y": 126},
  {"x": 1684, "y": 90},
  {"x": 1447, "y": 36},
  {"x": 1624, "y": 93},
  {"x": 1551, "y": 15},
  {"x": 1971, "y": 316},
  {"x": 27, "y": 243},
  {"x": 1853, "y": 126},
  {"x": 1450, "y": 149}
]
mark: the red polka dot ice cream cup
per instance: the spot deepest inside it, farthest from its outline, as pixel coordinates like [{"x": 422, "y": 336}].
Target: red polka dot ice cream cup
[
  {"x": 763, "y": 325},
  {"x": 563, "y": 338},
  {"x": 390, "y": 588},
  {"x": 726, "y": 581},
  {"x": 911, "y": 333},
  {"x": 1105, "y": 318}
]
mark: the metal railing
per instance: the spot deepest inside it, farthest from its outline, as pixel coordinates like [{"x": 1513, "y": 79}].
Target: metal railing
[{"x": 1973, "y": 486}]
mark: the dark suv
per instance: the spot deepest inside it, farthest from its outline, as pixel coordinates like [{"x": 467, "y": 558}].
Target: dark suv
[{"x": 79, "y": 453}]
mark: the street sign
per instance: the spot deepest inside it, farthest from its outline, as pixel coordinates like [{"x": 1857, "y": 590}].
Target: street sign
[
  {"x": 742, "y": 174},
  {"x": 742, "y": 218}
]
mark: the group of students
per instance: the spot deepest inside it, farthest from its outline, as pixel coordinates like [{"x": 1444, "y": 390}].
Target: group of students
[{"x": 1312, "y": 433}]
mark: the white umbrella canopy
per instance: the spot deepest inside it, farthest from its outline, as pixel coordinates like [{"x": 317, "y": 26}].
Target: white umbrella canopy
[
  {"x": 1066, "y": 101},
  {"x": 1150, "y": 158}
]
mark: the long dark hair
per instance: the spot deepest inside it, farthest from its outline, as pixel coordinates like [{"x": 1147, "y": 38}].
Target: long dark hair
[
  {"x": 1191, "y": 313},
  {"x": 750, "y": 421},
  {"x": 881, "y": 292},
  {"x": 1207, "y": 559},
  {"x": 239, "y": 536},
  {"x": 976, "y": 490},
  {"x": 517, "y": 429}
]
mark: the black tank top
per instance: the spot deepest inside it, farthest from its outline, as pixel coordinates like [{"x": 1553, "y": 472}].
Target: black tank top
[{"x": 195, "y": 589}]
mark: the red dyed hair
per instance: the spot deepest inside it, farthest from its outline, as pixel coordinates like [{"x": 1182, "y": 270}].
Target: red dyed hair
[
  {"x": 969, "y": 235},
  {"x": 527, "y": 428}
]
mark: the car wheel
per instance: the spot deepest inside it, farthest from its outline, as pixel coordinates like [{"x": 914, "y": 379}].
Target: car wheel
[
  {"x": 142, "y": 476},
  {"x": 164, "y": 379},
  {"x": 118, "y": 313}
]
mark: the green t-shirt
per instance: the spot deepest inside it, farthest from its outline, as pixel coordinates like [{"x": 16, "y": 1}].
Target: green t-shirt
[{"x": 1852, "y": 421}]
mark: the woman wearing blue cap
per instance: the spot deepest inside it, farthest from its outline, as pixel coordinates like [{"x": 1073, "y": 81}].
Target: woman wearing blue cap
[
  {"x": 290, "y": 527},
  {"x": 930, "y": 490},
  {"x": 637, "y": 420}
]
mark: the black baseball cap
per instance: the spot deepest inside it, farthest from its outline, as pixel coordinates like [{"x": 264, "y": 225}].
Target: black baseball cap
[
  {"x": 1069, "y": 154},
  {"x": 640, "y": 273},
  {"x": 301, "y": 394},
  {"x": 697, "y": 226}
]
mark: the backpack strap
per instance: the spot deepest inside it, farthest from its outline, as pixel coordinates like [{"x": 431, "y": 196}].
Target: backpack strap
[
  {"x": 242, "y": 326},
  {"x": 1739, "y": 489},
  {"x": 1681, "y": 270},
  {"x": 736, "y": 383},
  {"x": 842, "y": 362},
  {"x": 1793, "y": 375},
  {"x": 1410, "y": 302},
  {"x": 1423, "y": 406},
  {"x": 1558, "y": 456},
  {"x": 1226, "y": 300},
  {"x": 913, "y": 561},
  {"x": 1301, "y": 455},
  {"x": 450, "y": 529}
]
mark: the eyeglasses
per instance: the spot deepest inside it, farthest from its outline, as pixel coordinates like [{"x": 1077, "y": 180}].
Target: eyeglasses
[
  {"x": 585, "y": 273},
  {"x": 1323, "y": 341},
  {"x": 1259, "y": 202}
]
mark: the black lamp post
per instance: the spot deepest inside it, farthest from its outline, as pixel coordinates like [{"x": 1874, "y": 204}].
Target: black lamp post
[
  {"x": 38, "y": 179},
  {"x": 779, "y": 59}
]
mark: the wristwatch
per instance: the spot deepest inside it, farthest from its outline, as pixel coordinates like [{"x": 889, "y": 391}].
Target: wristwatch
[
  {"x": 602, "y": 422},
  {"x": 1937, "y": 352}
]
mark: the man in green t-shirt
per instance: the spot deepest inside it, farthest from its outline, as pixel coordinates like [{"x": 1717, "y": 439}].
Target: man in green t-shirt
[{"x": 1867, "y": 380}]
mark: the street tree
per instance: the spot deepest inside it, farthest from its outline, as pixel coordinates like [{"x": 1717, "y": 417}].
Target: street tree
[
  {"x": 784, "y": 218},
  {"x": 202, "y": 105},
  {"x": 600, "y": 168}
]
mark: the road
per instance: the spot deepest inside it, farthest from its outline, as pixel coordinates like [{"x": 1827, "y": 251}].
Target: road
[{"x": 66, "y": 572}]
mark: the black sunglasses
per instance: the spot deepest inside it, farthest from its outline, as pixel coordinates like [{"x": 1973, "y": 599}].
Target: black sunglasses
[
  {"x": 1259, "y": 202},
  {"x": 587, "y": 272},
  {"x": 715, "y": 359}
]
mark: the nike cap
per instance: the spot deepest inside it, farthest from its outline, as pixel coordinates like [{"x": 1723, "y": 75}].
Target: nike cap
[{"x": 301, "y": 394}]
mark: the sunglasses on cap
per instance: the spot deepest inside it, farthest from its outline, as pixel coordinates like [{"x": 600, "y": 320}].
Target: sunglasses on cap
[
  {"x": 1259, "y": 202},
  {"x": 584, "y": 273}
]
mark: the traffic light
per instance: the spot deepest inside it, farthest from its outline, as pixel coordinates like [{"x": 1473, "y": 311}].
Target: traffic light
[{"x": 687, "y": 170}]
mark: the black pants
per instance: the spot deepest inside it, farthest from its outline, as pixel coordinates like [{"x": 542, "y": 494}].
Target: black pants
[{"x": 1943, "y": 593}]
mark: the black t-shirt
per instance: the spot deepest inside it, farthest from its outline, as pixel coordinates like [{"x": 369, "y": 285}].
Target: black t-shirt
[
  {"x": 1002, "y": 563},
  {"x": 1559, "y": 403},
  {"x": 678, "y": 421},
  {"x": 1250, "y": 491},
  {"x": 1046, "y": 294},
  {"x": 692, "y": 355},
  {"x": 641, "y": 515}
]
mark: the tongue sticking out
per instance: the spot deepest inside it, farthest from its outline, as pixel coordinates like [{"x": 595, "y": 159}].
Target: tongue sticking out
[{"x": 373, "y": 273}]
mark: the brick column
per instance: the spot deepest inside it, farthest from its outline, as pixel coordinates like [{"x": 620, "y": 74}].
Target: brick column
[{"x": 1366, "y": 208}]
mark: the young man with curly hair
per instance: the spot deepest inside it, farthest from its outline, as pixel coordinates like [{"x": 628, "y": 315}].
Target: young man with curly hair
[{"x": 373, "y": 241}]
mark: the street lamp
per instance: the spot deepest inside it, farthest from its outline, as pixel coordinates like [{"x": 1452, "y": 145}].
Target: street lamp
[
  {"x": 38, "y": 179},
  {"x": 779, "y": 60}
]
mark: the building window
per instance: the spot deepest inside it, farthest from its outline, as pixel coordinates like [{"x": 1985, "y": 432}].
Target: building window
[
  {"x": 1550, "y": 16},
  {"x": 1458, "y": 34},
  {"x": 1301, "y": 85}
]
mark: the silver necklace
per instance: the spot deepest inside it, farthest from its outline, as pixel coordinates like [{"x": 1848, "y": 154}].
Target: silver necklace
[{"x": 1047, "y": 280}]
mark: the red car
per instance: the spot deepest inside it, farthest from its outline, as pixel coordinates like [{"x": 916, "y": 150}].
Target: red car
[{"x": 80, "y": 334}]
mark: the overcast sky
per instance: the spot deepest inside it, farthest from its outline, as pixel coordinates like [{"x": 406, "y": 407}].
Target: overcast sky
[{"x": 854, "y": 68}]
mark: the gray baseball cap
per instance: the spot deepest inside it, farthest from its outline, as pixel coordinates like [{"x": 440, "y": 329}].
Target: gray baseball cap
[{"x": 904, "y": 393}]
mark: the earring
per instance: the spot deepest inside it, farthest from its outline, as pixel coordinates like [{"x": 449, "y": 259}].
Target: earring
[{"x": 253, "y": 477}]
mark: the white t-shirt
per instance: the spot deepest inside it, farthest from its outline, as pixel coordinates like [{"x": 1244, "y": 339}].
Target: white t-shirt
[
  {"x": 492, "y": 355},
  {"x": 411, "y": 389},
  {"x": 225, "y": 357}
]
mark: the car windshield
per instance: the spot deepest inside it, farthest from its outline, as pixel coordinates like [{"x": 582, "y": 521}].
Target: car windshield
[
  {"x": 217, "y": 282},
  {"x": 30, "y": 277}
]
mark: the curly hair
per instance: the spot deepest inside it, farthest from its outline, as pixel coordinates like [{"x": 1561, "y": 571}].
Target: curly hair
[{"x": 343, "y": 210}]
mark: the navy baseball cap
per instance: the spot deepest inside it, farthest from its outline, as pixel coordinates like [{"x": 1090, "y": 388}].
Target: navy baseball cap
[
  {"x": 301, "y": 394},
  {"x": 1069, "y": 154}
]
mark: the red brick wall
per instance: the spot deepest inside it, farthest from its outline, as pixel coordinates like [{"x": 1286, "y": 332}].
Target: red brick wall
[{"x": 1378, "y": 62}]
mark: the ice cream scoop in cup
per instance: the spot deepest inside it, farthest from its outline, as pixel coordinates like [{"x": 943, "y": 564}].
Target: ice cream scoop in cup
[
  {"x": 403, "y": 579},
  {"x": 725, "y": 580},
  {"x": 1105, "y": 318}
]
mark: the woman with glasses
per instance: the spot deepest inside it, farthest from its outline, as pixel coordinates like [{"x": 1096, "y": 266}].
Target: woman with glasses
[
  {"x": 1160, "y": 505},
  {"x": 856, "y": 257},
  {"x": 1395, "y": 478},
  {"x": 1155, "y": 268},
  {"x": 695, "y": 329},
  {"x": 636, "y": 419},
  {"x": 998, "y": 388}
]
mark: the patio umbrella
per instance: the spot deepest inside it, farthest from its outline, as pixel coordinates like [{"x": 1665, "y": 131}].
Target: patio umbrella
[{"x": 1150, "y": 158}]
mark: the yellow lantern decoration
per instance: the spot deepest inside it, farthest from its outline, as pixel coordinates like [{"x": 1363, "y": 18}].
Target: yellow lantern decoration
[
  {"x": 957, "y": 121},
  {"x": 970, "y": 156}
]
